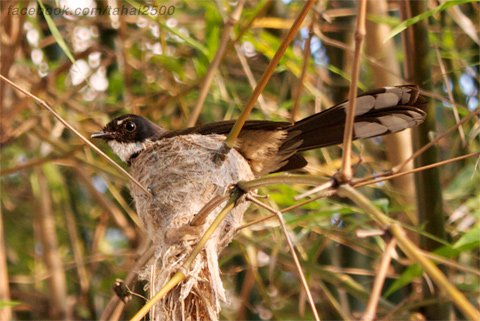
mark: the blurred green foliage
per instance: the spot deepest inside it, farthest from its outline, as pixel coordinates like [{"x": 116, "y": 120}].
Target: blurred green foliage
[{"x": 155, "y": 65}]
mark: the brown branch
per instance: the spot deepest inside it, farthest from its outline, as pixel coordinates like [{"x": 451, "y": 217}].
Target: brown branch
[
  {"x": 345, "y": 173},
  {"x": 251, "y": 79},
  {"x": 425, "y": 147},
  {"x": 230, "y": 22},
  {"x": 232, "y": 136},
  {"x": 301, "y": 79},
  {"x": 364, "y": 182},
  {"x": 115, "y": 306},
  {"x": 47, "y": 233},
  {"x": 298, "y": 266},
  {"x": 43, "y": 104},
  {"x": 381, "y": 274},
  {"x": 78, "y": 256}
]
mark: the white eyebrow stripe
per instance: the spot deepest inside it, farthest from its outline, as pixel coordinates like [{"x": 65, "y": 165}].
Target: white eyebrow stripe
[{"x": 119, "y": 122}]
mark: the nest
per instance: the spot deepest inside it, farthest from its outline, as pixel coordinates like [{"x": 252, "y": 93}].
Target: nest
[{"x": 182, "y": 176}]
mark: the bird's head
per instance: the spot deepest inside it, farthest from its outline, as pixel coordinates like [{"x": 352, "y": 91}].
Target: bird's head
[{"x": 127, "y": 135}]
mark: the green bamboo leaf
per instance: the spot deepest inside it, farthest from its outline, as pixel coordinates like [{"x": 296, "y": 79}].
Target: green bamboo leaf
[
  {"x": 470, "y": 240},
  {"x": 346, "y": 76},
  {"x": 411, "y": 273},
  {"x": 381, "y": 19},
  {"x": 9, "y": 304},
  {"x": 407, "y": 23},
  {"x": 56, "y": 33}
]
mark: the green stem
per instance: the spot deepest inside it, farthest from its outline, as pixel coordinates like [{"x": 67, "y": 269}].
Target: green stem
[{"x": 281, "y": 179}]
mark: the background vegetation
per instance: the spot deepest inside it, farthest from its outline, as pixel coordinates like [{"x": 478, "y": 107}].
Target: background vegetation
[{"x": 68, "y": 229}]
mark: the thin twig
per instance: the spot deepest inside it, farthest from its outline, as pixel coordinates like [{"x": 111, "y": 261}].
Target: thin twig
[
  {"x": 438, "y": 138},
  {"x": 200, "y": 218},
  {"x": 316, "y": 189},
  {"x": 306, "y": 55},
  {"x": 251, "y": 79},
  {"x": 381, "y": 274},
  {"x": 345, "y": 173},
  {"x": 331, "y": 192},
  {"x": 232, "y": 136},
  {"x": 281, "y": 179},
  {"x": 212, "y": 69},
  {"x": 342, "y": 309},
  {"x": 369, "y": 181},
  {"x": 76, "y": 132},
  {"x": 255, "y": 222},
  {"x": 279, "y": 216},
  {"x": 411, "y": 250},
  {"x": 448, "y": 88},
  {"x": 36, "y": 162},
  {"x": 452, "y": 264},
  {"x": 115, "y": 306}
]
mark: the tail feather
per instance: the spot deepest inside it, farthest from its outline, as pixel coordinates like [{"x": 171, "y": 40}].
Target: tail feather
[
  {"x": 389, "y": 109},
  {"x": 379, "y": 112}
]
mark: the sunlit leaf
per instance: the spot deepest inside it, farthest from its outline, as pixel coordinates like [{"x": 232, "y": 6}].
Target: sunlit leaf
[
  {"x": 411, "y": 273},
  {"x": 407, "y": 23},
  {"x": 56, "y": 33},
  {"x": 470, "y": 240}
]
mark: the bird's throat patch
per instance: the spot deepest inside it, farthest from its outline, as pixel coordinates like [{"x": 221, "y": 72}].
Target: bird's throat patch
[{"x": 126, "y": 150}]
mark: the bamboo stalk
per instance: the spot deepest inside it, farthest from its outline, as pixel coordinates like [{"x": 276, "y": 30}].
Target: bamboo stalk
[
  {"x": 57, "y": 282},
  {"x": 398, "y": 146},
  {"x": 429, "y": 198},
  {"x": 345, "y": 173}
]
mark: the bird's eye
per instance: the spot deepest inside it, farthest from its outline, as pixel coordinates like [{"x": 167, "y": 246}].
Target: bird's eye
[{"x": 130, "y": 126}]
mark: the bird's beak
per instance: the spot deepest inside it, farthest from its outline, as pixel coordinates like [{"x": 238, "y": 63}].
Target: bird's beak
[{"x": 102, "y": 135}]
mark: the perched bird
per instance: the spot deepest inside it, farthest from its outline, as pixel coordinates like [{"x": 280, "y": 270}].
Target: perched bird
[{"x": 178, "y": 168}]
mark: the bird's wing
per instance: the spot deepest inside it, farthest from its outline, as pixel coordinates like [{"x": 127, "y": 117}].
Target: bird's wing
[
  {"x": 378, "y": 112},
  {"x": 274, "y": 146},
  {"x": 224, "y": 127}
]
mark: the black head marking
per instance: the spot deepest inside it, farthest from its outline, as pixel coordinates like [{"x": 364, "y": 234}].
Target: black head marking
[{"x": 129, "y": 128}]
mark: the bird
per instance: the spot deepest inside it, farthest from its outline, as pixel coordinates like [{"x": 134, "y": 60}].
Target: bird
[{"x": 179, "y": 169}]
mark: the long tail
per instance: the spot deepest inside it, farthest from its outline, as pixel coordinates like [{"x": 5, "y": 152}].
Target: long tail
[{"x": 379, "y": 112}]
